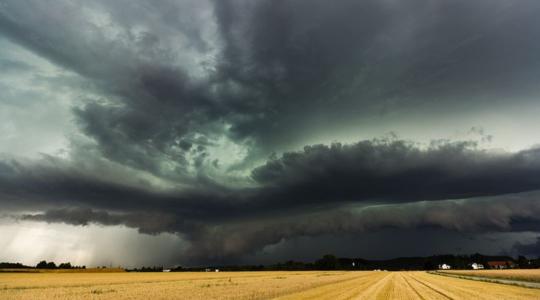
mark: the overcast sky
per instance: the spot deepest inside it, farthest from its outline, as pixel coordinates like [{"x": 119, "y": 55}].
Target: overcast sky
[{"x": 195, "y": 132}]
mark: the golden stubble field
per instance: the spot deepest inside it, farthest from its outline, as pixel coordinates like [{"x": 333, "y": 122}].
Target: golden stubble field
[
  {"x": 532, "y": 275},
  {"x": 253, "y": 285}
]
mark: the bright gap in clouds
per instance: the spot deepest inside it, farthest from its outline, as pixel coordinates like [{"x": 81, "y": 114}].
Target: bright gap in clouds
[
  {"x": 35, "y": 103},
  {"x": 92, "y": 245}
]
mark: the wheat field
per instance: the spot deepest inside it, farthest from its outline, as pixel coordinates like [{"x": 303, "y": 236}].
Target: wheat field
[
  {"x": 253, "y": 285},
  {"x": 532, "y": 275}
]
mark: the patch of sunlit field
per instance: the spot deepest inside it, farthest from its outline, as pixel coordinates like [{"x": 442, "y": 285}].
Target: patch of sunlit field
[
  {"x": 532, "y": 275},
  {"x": 253, "y": 285}
]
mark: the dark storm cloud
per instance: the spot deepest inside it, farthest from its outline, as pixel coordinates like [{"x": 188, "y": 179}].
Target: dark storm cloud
[
  {"x": 313, "y": 61},
  {"x": 378, "y": 171},
  {"x": 53, "y": 182},
  {"x": 248, "y": 235},
  {"x": 322, "y": 190},
  {"x": 145, "y": 222},
  {"x": 397, "y": 171},
  {"x": 148, "y": 100},
  {"x": 280, "y": 66},
  {"x": 467, "y": 216},
  {"x": 168, "y": 81}
]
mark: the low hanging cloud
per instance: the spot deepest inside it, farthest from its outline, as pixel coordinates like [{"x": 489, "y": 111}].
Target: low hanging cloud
[
  {"x": 398, "y": 171},
  {"x": 352, "y": 189},
  {"x": 147, "y": 223},
  {"x": 516, "y": 212},
  {"x": 384, "y": 171}
]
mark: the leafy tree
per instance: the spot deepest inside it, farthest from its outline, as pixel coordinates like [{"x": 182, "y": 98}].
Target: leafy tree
[
  {"x": 41, "y": 265},
  {"x": 46, "y": 265},
  {"x": 65, "y": 266}
]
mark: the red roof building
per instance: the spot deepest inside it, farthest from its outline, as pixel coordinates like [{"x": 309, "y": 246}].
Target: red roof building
[{"x": 500, "y": 264}]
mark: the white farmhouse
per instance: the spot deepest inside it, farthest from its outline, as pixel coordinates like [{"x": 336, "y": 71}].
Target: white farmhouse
[
  {"x": 476, "y": 266},
  {"x": 445, "y": 267}
]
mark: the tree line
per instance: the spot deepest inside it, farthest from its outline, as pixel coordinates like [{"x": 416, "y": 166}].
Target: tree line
[
  {"x": 332, "y": 262},
  {"x": 41, "y": 265},
  {"x": 327, "y": 262},
  {"x": 51, "y": 265}
]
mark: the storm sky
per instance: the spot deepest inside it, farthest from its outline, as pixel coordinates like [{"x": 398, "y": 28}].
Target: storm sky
[{"x": 200, "y": 132}]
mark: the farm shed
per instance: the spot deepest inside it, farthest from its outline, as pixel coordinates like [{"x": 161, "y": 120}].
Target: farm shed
[{"x": 500, "y": 264}]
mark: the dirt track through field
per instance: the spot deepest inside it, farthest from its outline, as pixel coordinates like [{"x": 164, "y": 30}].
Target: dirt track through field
[
  {"x": 415, "y": 285},
  {"x": 334, "y": 285}
]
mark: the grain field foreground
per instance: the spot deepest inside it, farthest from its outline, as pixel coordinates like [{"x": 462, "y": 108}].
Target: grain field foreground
[{"x": 253, "y": 285}]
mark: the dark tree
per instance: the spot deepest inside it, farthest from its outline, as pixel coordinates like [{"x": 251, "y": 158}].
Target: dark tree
[
  {"x": 429, "y": 266},
  {"x": 41, "y": 265},
  {"x": 65, "y": 266},
  {"x": 46, "y": 265},
  {"x": 327, "y": 262}
]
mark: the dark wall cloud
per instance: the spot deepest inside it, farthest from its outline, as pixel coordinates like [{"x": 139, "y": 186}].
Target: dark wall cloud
[
  {"x": 209, "y": 120},
  {"x": 399, "y": 171}
]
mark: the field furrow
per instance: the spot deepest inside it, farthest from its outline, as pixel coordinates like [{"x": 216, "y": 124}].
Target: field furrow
[
  {"x": 469, "y": 289},
  {"x": 343, "y": 290}
]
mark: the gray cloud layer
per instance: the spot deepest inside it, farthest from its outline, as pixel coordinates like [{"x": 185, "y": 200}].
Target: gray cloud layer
[
  {"x": 398, "y": 171},
  {"x": 217, "y": 241},
  {"x": 324, "y": 189},
  {"x": 181, "y": 103}
]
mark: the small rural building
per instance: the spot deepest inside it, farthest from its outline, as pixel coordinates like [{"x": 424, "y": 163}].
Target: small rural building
[
  {"x": 500, "y": 264},
  {"x": 166, "y": 270},
  {"x": 476, "y": 266},
  {"x": 445, "y": 267},
  {"x": 211, "y": 270}
]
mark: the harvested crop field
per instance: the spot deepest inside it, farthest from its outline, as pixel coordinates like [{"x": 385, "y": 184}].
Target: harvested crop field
[
  {"x": 532, "y": 275},
  {"x": 253, "y": 285}
]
